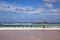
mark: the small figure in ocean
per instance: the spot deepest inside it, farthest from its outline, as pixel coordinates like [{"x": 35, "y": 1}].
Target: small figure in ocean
[{"x": 43, "y": 26}]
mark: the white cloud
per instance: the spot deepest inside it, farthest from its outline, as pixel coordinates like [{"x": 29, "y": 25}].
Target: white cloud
[
  {"x": 6, "y": 7},
  {"x": 56, "y": 10},
  {"x": 14, "y": 8},
  {"x": 52, "y": 11},
  {"x": 49, "y": 5}
]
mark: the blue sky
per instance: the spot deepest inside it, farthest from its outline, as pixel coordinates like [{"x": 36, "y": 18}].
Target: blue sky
[{"x": 29, "y": 10}]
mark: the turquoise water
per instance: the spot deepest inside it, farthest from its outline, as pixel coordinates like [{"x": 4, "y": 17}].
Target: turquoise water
[{"x": 41, "y": 25}]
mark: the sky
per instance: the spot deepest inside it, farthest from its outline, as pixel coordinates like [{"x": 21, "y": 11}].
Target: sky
[{"x": 30, "y": 11}]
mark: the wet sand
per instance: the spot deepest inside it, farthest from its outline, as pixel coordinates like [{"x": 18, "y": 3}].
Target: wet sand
[{"x": 29, "y": 34}]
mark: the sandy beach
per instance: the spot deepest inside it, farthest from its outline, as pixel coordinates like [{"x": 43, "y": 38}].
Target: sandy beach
[{"x": 29, "y": 34}]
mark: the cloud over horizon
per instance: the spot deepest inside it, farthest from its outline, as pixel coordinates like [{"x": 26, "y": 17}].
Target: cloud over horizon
[
  {"x": 23, "y": 9},
  {"x": 14, "y": 8}
]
